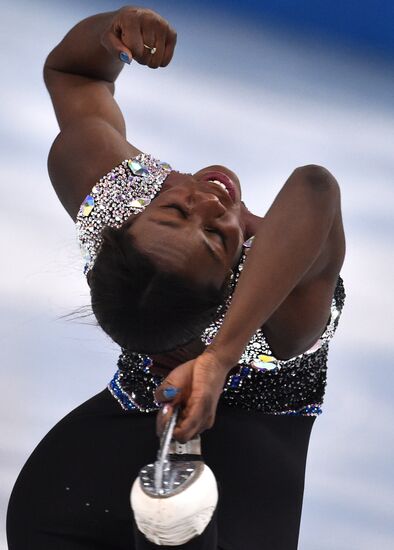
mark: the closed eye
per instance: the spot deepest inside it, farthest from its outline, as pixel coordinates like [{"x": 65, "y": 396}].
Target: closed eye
[
  {"x": 209, "y": 230},
  {"x": 176, "y": 207},
  {"x": 216, "y": 232}
]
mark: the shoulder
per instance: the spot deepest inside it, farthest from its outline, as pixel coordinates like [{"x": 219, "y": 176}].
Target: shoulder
[
  {"x": 80, "y": 155},
  {"x": 303, "y": 316}
]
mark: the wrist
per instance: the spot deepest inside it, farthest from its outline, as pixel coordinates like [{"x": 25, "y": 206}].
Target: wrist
[
  {"x": 82, "y": 52},
  {"x": 224, "y": 359}
]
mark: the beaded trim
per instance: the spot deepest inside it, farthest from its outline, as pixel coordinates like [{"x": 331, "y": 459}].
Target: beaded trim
[
  {"x": 126, "y": 395},
  {"x": 133, "y": 384},
  {"x": 127, "y": 189}
]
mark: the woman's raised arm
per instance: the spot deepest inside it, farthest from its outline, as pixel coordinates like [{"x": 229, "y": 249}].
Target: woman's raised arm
[{"x": 79, "y": 74}]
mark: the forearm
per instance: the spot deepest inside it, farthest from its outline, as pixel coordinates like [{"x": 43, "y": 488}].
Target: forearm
[
  {"x": 81, "y": 52},
  {"x": 287, "y": 243}
]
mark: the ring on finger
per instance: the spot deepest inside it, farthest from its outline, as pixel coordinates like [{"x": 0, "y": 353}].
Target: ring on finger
[{"x": 151, "y": 49}]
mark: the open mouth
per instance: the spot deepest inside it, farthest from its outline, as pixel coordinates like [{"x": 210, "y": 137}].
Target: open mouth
[{"x": 221, "y": 180}]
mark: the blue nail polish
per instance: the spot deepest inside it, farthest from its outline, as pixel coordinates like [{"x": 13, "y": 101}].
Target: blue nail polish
[
  {"x": 170, "y": 392},
  {"x": 124, "y": 57}
]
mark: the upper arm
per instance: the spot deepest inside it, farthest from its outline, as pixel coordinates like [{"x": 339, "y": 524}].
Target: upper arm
[
  {"x": 302, "y": 317},
  {"x": 76, "y": 97},
  {"x": 80, "y": 155},
  {"x": 92, "y": 138}
]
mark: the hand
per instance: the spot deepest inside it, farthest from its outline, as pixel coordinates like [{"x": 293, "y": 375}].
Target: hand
[
  {"x": 200, "y": 383},
  {"x": 131, "y": 28}
]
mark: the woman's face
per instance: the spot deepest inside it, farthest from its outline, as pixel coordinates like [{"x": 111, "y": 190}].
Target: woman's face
[{"x": 194, "y": 227}]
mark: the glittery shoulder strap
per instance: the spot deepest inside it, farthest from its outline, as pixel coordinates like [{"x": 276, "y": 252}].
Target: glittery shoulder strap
[{"x": 127, "y": 189}]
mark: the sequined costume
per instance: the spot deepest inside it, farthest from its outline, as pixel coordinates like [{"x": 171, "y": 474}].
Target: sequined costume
[
  {"x": 73, "y": 492},
  {"x": 262, "y": 382}
]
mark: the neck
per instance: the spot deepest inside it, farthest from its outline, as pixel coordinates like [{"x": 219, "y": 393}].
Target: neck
[{"x": 252, "y": 222}]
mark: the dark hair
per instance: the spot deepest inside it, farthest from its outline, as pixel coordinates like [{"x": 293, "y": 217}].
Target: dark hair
[{"x": 143, "y": 308}]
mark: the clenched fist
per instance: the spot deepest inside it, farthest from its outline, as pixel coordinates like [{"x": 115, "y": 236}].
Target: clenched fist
[{"x": 142, "y": 34}]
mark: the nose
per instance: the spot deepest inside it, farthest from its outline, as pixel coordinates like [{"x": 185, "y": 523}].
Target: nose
[{"x": 203, "y": 203}]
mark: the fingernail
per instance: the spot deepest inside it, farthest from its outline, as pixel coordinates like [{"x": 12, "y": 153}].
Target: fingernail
[
  {"x": 170, "y": 392},
  {"x": 124, "y": 57},
  {"x": 165, "y": 409}
]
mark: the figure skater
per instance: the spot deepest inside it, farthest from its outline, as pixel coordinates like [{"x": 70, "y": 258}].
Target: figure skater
[{"x": 220, "y": 314}]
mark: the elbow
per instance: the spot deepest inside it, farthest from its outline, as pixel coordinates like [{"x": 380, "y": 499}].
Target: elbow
[
  {"x": 319, "y": 188},
  {"x": 317, "y": 177}
]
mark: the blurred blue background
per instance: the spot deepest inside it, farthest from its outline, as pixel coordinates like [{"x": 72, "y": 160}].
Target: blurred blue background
[{"x": 261, "y": 87}]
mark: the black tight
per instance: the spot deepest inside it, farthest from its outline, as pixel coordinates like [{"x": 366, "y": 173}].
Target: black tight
[{"x": 73, "y": 492}]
